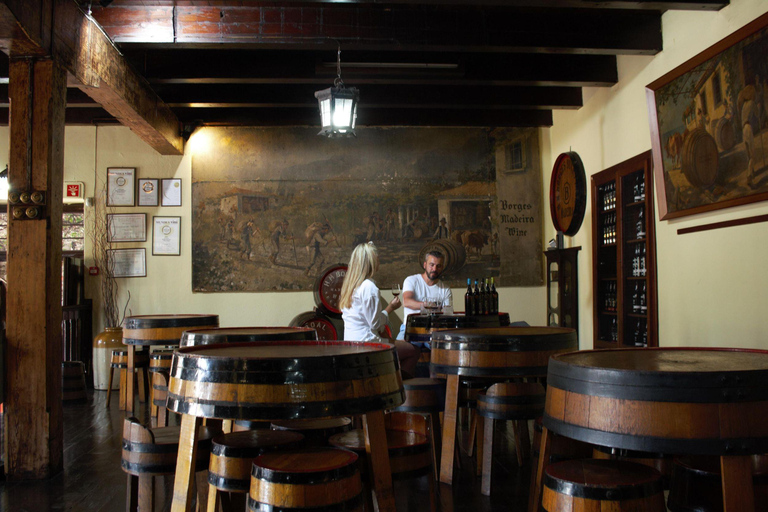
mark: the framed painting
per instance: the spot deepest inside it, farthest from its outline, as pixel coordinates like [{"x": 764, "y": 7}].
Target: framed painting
[{"x": 709, "y": 126}]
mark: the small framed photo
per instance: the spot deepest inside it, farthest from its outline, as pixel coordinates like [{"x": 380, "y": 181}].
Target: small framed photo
[
  {"x": 148, "y": 192},
  {"x": 128, "y": 262},
  {"x": 127, "y": 227},
  {"x": 166, "y": 236},
  {"x": 171, "y": 189},
  {"x": 121, "y": 182}
]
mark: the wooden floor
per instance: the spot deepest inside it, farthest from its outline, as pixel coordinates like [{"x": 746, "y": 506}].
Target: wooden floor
[{"x": 92, "y": 480}]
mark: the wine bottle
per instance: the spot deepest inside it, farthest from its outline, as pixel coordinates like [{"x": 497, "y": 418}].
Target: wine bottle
[
  {"x": 478, "y": 299},
  {"x": 640, "y": 224},
  {"x": 494, "y": 299},
  {"x": 469, "y": 300},
  {"x": 643, "y": 300},
  {"x": 486, "y": 297}
]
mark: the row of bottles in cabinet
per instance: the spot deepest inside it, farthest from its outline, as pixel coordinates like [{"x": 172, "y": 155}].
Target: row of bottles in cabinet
[
  {"x": 609, "y": 197},
  {"x": 609, "y": 193},
  {"x": 609, "y": 227},
  {"x": 638, "y": 261},
  {"x": 639, "y": 298},
  {"x": 638, "y": 332}
]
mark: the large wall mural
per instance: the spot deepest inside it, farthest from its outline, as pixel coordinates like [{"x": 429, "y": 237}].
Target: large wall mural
[{"x": 272, "y": 207}]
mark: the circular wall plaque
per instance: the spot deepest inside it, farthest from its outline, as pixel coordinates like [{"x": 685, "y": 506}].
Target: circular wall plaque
[
  {"x": 568, "y": 193},
  {"x": 327, "y": 289}
]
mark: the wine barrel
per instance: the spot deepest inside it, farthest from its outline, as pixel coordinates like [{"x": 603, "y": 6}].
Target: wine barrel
[
  {"x": 602, "y": 485},
  {"x": 409, "y": 455},
  {"x": 319, "y": 479},
  {"x": 73, "y": 382},
  {"x": 327, "y": 289},
  {"x": 316, "y": 432},
  {"x": 661, "y": 400},
  {"x": 163, "y": 329},
  {"x": 232, "y": 455},
  {"x": 208, "y": 336},
  {"x": 155, "y": 450},
  {"x": 325, "y": 328},
  {"x": 454, "y": 253},
  {"x": 160, "y": 367},
  {"x": 500, "y": 351},
  {"x": 725, "y": 137},
  {"x": 700, "y": 158},
  {"x": 696, "y": 484},
  {"x": 419, "y": 328},
  {"x": 512, "y": 401},
  {"x": 659, "y": 461},
  {"x": 423, "y": 395},
  {"x": 279, "y": 380}
]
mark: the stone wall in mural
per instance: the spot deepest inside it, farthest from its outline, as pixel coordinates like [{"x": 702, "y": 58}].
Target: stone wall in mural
[{"x": 272, "y": 207}]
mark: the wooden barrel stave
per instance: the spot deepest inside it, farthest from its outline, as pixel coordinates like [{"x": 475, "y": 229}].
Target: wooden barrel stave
[
  {"x": 341, "y": 379},
  {"x": 157, "y": 454},
  {"x": 163, "y": 329},
  {"x": 423, "y": 395},
  {"x": 120, "y": 359},
  {"x": 316, "y": 479},
  {"x": 512, "y": 401},
  {"x": 208, "y": 336}
]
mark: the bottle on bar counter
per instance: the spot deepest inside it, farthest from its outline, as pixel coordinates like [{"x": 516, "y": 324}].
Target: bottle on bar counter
[
  {"x": 469, "y": 300},
  {"x": 478, "y": 300},
  {"x": 494, "y": 299}
]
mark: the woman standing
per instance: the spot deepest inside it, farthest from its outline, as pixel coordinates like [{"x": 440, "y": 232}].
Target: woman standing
[{"x": 361, "y": 307}]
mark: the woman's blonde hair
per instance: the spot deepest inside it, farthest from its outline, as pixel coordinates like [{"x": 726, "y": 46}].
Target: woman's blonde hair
[{"x": 363, "y": 263}]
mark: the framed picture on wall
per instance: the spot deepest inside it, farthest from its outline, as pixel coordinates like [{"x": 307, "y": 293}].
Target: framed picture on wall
[
  {"x": 129, "y": 262},
  {"x": 171, "y": 189},
  {"x": 149, "y": 192},
  {"x": 120, "y": 186},
  {"x": 127, "y": 227},
  {"x": 166, "y": 236},
  {"x": 709, "y": 131}
]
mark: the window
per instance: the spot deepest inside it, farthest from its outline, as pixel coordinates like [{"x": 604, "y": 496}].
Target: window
[{"x": 514, "y": 156}]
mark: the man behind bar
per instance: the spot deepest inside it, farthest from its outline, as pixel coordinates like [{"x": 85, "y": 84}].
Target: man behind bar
[{"x": 419, "y": 288}]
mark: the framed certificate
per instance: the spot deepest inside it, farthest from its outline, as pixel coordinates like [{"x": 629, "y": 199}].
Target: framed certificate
[
  {"x": 128, "y": 262},
  {"x": 120, "y": 186},
  {"x": 166, "y": 236},
  {"x": 127, "y": 227},
  {"x": 148, "y": 192},
  {"x": 171, "y": 188}
]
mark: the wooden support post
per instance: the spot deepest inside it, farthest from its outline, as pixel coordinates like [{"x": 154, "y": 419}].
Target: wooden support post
[
  {"x": 534, "y": 500},
  {"x": 449, "y": 429},
  {"x": 378, "y": 458},
  {"x": 130, "y": 391},
  {"x": 738, "y": 487},
  {"x": 33, "y": 409},
  {"x": 184, "y": 482}
]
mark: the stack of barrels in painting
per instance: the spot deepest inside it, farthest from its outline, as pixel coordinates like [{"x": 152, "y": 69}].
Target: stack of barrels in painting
[
  {"x": 73, "y": 382},
  {"x": 454, "y": 254},
  {"x": 319, "y": 479},
  {"x": 700, "y": 158},
  {"x": 199, "y": 337},
  {"x": 348, "y": 378}
]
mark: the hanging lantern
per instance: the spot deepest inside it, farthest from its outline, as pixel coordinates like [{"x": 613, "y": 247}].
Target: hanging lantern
[{"x": 338, "y": 107}]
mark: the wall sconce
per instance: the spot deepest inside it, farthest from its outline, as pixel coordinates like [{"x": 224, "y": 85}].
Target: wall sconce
[{"x": 338, "y": 106}]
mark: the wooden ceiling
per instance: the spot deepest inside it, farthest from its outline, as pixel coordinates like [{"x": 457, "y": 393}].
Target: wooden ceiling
[{"x": 415, "y": 62}]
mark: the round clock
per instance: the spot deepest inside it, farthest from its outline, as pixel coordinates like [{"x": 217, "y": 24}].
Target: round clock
[
  {"x": 327, "y": 289},
  {"x": 568, "y": 193}
]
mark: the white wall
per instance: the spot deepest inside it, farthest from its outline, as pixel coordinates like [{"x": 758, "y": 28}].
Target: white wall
[
  {"x": 168, "y": 285},
  {"x": 713, "y": 285}
]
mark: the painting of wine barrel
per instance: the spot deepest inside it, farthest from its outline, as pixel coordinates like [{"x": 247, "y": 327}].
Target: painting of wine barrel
[
  {"x": 725, "y": 137},
  {"x": 454, "y": 253},
  {"x": 700, "y": 158}
]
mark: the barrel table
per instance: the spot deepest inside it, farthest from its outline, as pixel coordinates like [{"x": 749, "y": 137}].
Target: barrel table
[
  {"x": 419, "y": 328},
  {"x": 148, "y": 330},
  {"x": 699, "y": 401},
  {"x": 501, "y": 352},
  {"x": 274, "y": 380},
  {"x": 208, "y": 336}
]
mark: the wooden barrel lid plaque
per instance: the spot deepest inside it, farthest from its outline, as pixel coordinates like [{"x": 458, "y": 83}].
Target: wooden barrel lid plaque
[
  {"x": 568, "y": 193},
  {"x": 327, "y": 289}
]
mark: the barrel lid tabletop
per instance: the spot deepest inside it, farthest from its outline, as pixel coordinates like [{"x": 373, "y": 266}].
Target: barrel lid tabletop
[
  {"x": 599, "y": 479},
  {"x": 307, "y": 461},
  {"x": 499, "y": 351},
  {"x": 163, "y": 329},
  {"x": 670, "y": 400},
  {"x": 209, "y": 336},
  {"x": 252, "y": 443},
  {"x": 276, "y": 380}
]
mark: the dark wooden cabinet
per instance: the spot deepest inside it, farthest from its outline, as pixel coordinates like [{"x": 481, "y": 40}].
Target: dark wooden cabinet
[
  {"x": 624, "y": 255},
  {"x": 563, "y": 287}
]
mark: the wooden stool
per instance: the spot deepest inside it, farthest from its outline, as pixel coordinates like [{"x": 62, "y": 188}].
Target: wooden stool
[
  {"x": 515, "y": 401},
  {"x": 160, "y": 368},
  {"x": 591, "y": 485},
  {"x": 408, "y": 456},
  {"x": 316, "y": 431},
  {"x": 317, "y": 479},
  {"x": 232, "y": 456},
  {"x": 120, "y": 362},
  {"x": 469, "y": 390},
  {"x": 150, "y": 452},
  {"x": 427, "y": 397},
  {"x": 696, "y": 484},
  {"x": 659, "y": 461},
  {"x": 246, "y": 425},
  {"x": 73, "y": 382}
]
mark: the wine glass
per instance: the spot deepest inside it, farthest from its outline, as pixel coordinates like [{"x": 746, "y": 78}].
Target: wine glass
[
  {"x": 395, "y": 290},
  {"x": 431, "y": 306}
]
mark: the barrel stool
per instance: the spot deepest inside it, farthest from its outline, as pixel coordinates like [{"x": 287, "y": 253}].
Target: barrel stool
[
  {"x": 427, "y": 397},
  {"x": 314, "y": 479},
  {"x": 315, "y": 431},
  {"x": 119, "y": 363},
  {"x": 245, "y": 425},
  {"x": 696, "y": 484},
  {"x": 150, "y": 452},
  {"x": 73, "y": 382},
  {"x": 469, "y": 390},
  {"x": 232, "y": 455},
  {"x": 409, "y": 456},
  {"x": 591, "y": 485},
  {"x": 160, "y": 368},
  {"x": 515, "y": 401},
  {"x": 662, "y": 462}
]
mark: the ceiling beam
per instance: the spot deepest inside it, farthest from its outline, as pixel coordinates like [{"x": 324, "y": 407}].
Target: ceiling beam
[
  {"x": 25, "y": 28},
  {"x": 402, "y": 28}
]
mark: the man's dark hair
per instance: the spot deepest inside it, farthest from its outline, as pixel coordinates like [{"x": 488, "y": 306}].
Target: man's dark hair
[{"x": 434, "y": 254}]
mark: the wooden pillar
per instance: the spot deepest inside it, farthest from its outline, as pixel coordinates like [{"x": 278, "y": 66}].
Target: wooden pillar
[{"x": 33, "y": 410}]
